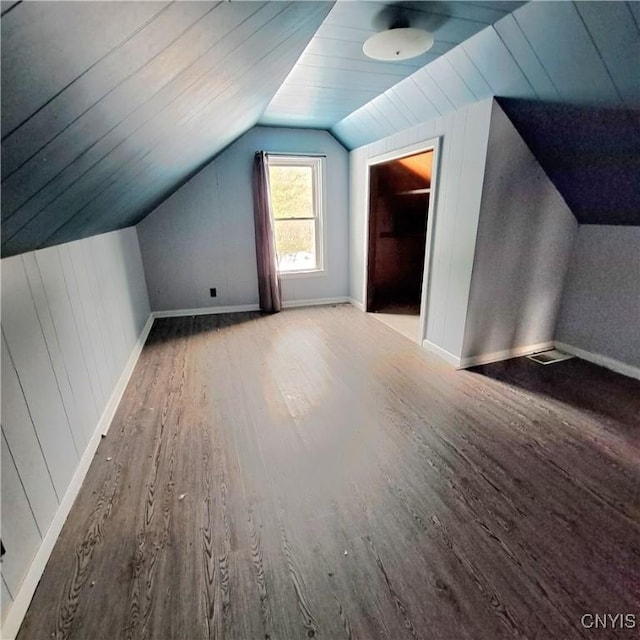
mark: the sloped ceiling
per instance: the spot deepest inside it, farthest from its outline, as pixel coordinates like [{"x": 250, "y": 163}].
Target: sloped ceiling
[
  {"x": 108, "y": 106},
  {"x": 333, "y": 77},
  {"x": 572, "y": 72},
  {"x": 582, "y": 54},
  {"x": 592, "y": 155}
]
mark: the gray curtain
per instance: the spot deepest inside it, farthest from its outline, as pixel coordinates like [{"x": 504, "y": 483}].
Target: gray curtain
[{"x": 268, "y": 280}]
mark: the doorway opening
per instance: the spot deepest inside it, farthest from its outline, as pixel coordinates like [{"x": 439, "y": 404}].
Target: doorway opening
[{"x": 400, "y": 191}]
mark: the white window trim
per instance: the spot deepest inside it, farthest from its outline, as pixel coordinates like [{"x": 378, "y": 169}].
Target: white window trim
[{"x": 317, "y": 165}]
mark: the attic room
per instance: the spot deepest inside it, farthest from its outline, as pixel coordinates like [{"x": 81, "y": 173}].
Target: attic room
[{"x": 320, "y": 319}]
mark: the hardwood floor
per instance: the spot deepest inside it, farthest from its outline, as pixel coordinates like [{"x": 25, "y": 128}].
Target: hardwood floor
[{"x": 313, "y": 474}]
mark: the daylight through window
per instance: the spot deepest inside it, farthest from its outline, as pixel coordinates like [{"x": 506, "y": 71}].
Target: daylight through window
[{"x": 296, "y": 204}]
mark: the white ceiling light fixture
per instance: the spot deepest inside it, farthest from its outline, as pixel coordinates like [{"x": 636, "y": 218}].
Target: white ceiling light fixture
[{"x": 399, "y": 43}]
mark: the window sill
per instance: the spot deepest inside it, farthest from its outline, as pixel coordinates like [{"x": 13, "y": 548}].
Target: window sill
[{"x": 312, "y": 273}]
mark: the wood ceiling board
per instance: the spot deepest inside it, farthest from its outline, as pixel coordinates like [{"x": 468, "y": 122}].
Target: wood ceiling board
[
  {"x": 138, "y": 190},
  {"x": 567, "y": 52},
  {"x": 284, "y": 38},
  {"x": 364, "y": 14},
  {"x": 313, "y": 61},
  {"x": 370, "y": 123},
  {"x": 496, "y": 64},
  {"x": 615, "y": 35},
  {"x": 394, "y": 114},
  {"x": 340, "y": 38},
  {"x": 295, "y": 118},
  {"x": 7, "y": 5},
  {"x": 469, "y": 73},
  {"x": 116, "y": 119},
  {"x": 382, "y": 116},
  {"x": 432, "y": 91},
  {"x": 126, "y": 134},
  {"x": 516, "y": 42},
  {"x": 346, "y": 80},
  {"x": 121, "y": 68},
  {"x": 634, "y": 7},
  {"x": 340, "y": 32},
  {"x": 412, "y": 99},
  {"x": 47, "y": 45},
  {"x": 450, "y": 82},
  {"x": 409, "y": 114}
]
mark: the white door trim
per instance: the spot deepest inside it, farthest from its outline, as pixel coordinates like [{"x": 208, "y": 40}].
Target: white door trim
[{"x": 432, "y": 144}]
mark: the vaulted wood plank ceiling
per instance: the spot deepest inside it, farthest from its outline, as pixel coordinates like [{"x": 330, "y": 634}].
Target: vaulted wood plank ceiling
[
  {"x": 570, "y": 76},
  {"x": 108, "y": 106},
  {"x": 333, "y": 77}
]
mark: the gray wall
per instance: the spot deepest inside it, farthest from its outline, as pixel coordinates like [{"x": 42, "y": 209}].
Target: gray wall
[
  {"x": 71, "y": 316},
  {"x": 525, "y": 236},
  {"x": 463, "y": 136},
  {"x": 203, "y": 235},
  {"x": 600, "y": 310}
]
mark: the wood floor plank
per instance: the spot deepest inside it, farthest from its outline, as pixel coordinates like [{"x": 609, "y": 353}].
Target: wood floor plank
[{"x": 314, "y": 474}]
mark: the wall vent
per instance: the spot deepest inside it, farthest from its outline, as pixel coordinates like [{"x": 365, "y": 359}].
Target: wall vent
[{"x": 550, "y": 357}]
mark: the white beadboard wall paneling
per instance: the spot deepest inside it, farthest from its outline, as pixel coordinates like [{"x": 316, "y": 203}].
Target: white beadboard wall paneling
[
  {"x": 56, "y": 288},
  {"x": 31, "y": 358},
  {"x": 468, "y": 189},
  {"x": 67, "y": 394},
  {"x": 72, "y": 321},
  {"x": 20, "y": 534},
  {"x": 5, "y": 599},
  {"x": 203, "y": 235},
  {"x": 445, "y": 243},
  {"x": 524, "y": 242},
  {"x": 81, "y": 326},
  {"x": 100, "y": 350},
  {"x": 463, "y": 143},
  {"x": 25, "y": 447}
]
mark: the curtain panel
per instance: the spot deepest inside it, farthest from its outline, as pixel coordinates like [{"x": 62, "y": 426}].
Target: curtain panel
[{"x": 267, "y": 261}]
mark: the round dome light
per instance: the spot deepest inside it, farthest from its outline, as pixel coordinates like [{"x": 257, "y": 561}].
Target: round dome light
[{"x": 398, "y": 44}]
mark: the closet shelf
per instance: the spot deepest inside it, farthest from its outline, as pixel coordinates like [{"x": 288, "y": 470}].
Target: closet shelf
[{"x": 412, "y": 192}]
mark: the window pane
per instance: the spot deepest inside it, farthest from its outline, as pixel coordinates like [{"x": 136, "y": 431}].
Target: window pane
[
  {"x": 296, "y": 245},
  {"x": 291, "y": 191}
]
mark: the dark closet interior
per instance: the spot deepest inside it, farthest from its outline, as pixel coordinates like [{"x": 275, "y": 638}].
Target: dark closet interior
[{"x": 398, "y": 208}]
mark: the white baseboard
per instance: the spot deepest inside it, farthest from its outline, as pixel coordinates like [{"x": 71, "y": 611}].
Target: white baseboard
[
  {"x": 204, "y": 311},
  {"x": 356, "y": 304},
  {"x": 442, "y": 353},
  {"x": 287, "y": 304},
  {"x": 604, "y": 361},
  {"x": 316, "y": 302},
  {"x": 506, "y": 354},
  {"x": 110, "y": 410},
  {"x": 22, "y": 598}
]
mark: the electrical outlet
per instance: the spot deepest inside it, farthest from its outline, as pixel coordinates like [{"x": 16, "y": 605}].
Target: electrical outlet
[{"x": 212, "y": 292}]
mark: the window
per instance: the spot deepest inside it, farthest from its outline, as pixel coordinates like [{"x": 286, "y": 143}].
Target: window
[{"x": 296, "y": 205}]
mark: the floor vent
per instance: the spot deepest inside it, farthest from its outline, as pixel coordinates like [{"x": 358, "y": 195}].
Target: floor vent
[{"x": 550, "y": 357}]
